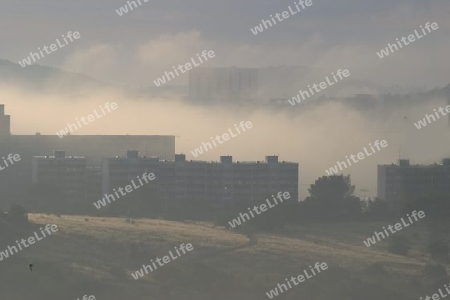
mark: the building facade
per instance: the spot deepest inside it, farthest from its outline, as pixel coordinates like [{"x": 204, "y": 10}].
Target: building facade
[
  {"x": 221, "y": 183},
  {"x": 223, "y": 85},
  {"x": 403, "y": 182},
  {"x": 66, "y": 173},
  {"x": 17, "y": 179}
]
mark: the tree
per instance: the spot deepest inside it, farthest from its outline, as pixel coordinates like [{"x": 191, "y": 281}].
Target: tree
[
  {"x": 438, "y": 249},
  {"x": 435, "y": 271},
  {"x": 377, "y": 209},
  {"x": 270, "y": 220},
  {"x": 331, "y": 198},
  {"x": 399, "y": 244},
  {"x": 18, "y": 213},
  {"x": 434, "y": 205}
]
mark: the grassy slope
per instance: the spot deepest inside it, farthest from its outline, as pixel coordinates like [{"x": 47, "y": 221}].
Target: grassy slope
[{"x": 98, "y": 249}]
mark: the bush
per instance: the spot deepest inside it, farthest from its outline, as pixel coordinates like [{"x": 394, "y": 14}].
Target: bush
[
  {"x": 399, "y": 245},
  {"x": 224, "y": 217},
  {"x": 118, "y": 272},
  {"x": 376, "y": 269},
  {"x": 438, "y": 249},
  {"x": 271, "y": 220},
  {"x": 18, "y": 214},
  {"x": 377, "y": 209},
  {"x": 435, "y": 271}
]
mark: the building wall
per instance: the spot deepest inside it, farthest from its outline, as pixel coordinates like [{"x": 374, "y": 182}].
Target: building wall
[
  {"x": 404, "y": 182},
  {"x": 120, "y": 171},
  {"x": 16, "y": 179},
  {"x": 223, "y": 84},
  {"x": 93, "y": 183},
  {"x": 63, "y": 172},
  {"x": 219, "y": 183},
  {"x": 381, "y": 182},
  {"x": 5, "y": 122}
]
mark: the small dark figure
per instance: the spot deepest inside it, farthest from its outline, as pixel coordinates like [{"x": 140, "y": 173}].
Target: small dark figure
[{"x": 31, "y": 267}]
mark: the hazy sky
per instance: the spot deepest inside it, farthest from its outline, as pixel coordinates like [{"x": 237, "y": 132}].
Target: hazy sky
[
  {"x": 315, "y": 138},
  {"x": 139, "y": 46}
]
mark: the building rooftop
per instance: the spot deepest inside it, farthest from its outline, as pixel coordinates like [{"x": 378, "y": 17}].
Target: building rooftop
[
  {"x": 133, "y": 154},
  {"x": 406, "y": 163},
  {"x": 65, "y": 157}
]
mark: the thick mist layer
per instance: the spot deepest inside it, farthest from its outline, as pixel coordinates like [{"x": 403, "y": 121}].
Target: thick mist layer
[{"x": 316, "y": 136}]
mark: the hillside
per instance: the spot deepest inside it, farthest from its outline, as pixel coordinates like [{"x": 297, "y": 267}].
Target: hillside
[
  {"x": 97, "y": 256},
  {"x": 39, "y": 78}
]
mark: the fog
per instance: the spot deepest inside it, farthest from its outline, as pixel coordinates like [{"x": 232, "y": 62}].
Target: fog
[
  {"x": 104, "y": 240},
  {"x": 316, "y": 136}
]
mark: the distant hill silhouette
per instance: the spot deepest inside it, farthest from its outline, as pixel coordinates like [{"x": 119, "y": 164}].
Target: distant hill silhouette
[
  {"x": 445, "y": 91},
  {"x": 38, "y": 78},
  {"x": 44, "y": 79}
]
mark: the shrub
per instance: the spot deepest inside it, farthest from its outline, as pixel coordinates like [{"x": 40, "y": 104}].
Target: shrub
[
  {"x": 438, "y": 249},
  {"x": 118, "y": 272},
  {"x": 435, "y": 271},
  {"x": 18, "y": 214},
  {"x": 399, "y": 244},
  {"x": 376, "y": 269}
]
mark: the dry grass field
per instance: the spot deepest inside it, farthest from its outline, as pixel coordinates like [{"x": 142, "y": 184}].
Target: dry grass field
[{"x": 98, "y": 249}]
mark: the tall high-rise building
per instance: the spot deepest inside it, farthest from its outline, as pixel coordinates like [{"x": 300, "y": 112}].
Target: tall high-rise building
[
  {"x": 5, "y": 121},
  {"x": 67, "y": 173},
  {"x": 16, "y": 179},
  {"x": 212, "y": 85},
  {"x": 402, "y": 182},
  {"x": 218, "y": 183}
]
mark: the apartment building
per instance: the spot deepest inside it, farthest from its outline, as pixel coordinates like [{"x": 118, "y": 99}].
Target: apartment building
[
  {"x": 16, "y": 181},
  {"x": 120, "y": 171},
  {"x": 222, "y": 183},
  {"x": 403, "y": 182},
  {"x": 223, "y": 85},
  {"x": 66, "y": 173}
]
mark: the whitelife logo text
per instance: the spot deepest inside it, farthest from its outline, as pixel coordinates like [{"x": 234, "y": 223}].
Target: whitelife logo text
[
  {"x": 35, "y": 56},
  {"x": 430, "y": 118},
  {"x": 128, "y": 189},
  {"x": 319, "y": 87},
  {"x": 225, "y": 137},
  {"x": 11, "y": 158},
  {"x": 162, "y": 80},
  {"x": 124, "y": 9},
  {"x": 161, "y": 262},
  {"x": 297, "y": 280},
  {"x": 391, "y": 48},
  {"x": 281, "y": 17},
  {"x": 334, "y": 170},
  {"x": 31, "y": 240},
  {"x": 398, "y": 226},
  {"x": 89, "y": 119},
  {"x": 235, "y": 222}
]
